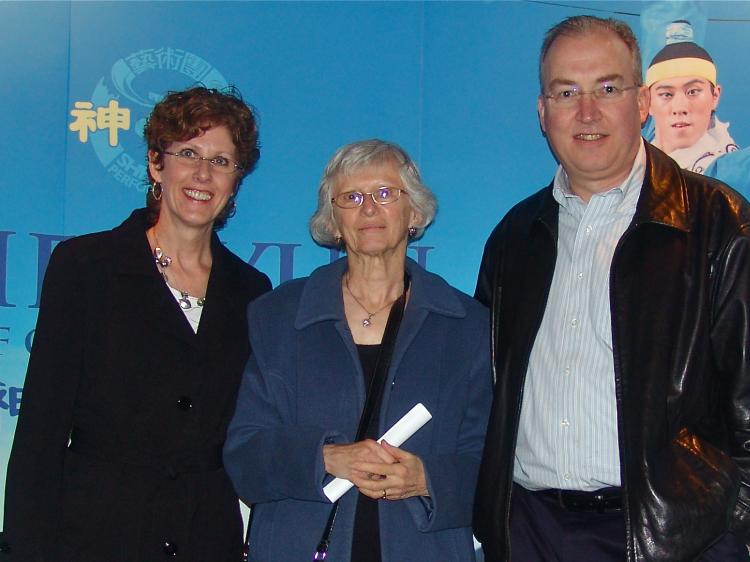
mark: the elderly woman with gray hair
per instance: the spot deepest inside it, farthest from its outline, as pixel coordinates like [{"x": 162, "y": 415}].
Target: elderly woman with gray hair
[{"x": 338, "y": 358}]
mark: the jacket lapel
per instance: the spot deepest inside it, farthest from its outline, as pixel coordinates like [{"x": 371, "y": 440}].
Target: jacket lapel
[
  {"x": 140, "y": 282},
  {"x": 664, "y": 194},
  {"x": 221, "y": 316},
  {"x": 322, "y": 300}
]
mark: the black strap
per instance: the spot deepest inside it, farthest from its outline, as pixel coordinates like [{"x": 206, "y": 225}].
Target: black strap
[
  {"x": 372, "y": 403},
  {"x": 383, "y": 363}
]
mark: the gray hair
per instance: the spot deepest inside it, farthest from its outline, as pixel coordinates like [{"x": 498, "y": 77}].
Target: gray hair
[
  {"x": 362, "y": 154},
  {"x": 581, "y": 25}
]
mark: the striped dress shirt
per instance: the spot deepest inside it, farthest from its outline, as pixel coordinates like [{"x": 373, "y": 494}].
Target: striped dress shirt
[{"x": 567, "y": 436}]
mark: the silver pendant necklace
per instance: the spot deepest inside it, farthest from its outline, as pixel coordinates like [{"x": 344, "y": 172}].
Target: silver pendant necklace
[
  {"x": 366, "y": 322},
  {"x": 162, "y": 262}
]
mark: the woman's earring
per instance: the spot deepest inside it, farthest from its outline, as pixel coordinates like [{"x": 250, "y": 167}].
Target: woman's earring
[
  {"x": 412, "y": 231},
  {"x": 232, "y": 204},
  {"x": 156, "y": 190}
]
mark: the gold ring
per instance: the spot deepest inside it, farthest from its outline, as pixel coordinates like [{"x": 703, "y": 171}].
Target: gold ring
[{"x": 385, "y": 494}]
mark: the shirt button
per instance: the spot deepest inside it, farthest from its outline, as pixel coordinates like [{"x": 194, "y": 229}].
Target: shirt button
[
  {"x": 565, "y": 423},
  {"x": 566, "y": 476},
  {"x": 169, "y": 548},
  {"x": 566, "y": 370},
  {"x": 184, "y": 403},
  {"x": 574, "y": 322},
  {"x": 588, "y": 229},
  {"x": 580, "y": 275}
]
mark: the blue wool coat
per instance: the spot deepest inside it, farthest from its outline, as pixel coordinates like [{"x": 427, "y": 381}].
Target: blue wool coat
[{"x": 303, "y": 387}]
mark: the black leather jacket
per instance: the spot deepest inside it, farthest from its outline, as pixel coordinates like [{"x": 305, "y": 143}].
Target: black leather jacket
[{"x": 680, "y": 304}]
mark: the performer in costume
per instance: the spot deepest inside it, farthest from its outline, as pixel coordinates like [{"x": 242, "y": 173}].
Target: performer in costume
[{"x": 685, "y": 93}]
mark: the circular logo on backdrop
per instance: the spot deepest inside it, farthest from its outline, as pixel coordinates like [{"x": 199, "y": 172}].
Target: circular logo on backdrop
[{"x": 112, "y": 121}]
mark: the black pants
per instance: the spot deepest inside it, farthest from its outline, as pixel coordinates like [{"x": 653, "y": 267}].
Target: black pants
[{"x": 543, "y": 531}]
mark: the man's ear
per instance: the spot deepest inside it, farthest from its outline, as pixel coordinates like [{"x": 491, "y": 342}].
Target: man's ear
[
  {"x": 717, "y": 96},
  {"x": 644, "y": 102},
  {"x": 540, "y": 112}
]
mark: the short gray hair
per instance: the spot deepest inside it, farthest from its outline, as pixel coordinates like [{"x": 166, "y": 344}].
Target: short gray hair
[
  {"x": 362, "y": 154},
  {"x": 581, "y": 25}
]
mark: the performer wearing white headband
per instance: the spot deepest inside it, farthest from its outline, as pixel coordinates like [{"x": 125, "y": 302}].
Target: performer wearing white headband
[{"x": 682, "y": 78}]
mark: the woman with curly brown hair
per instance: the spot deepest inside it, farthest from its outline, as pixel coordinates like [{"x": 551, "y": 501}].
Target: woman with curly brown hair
[{"x": 138, "y": 352}]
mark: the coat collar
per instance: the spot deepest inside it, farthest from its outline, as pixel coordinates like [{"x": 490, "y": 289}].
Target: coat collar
[
  {"x": 664, "y": 195},
  {"x": 663, "y": 198},
  {"x": 133, "y": 259},
  {"x": 134, "y": 253},
  {"x": 322, "y": 299}
]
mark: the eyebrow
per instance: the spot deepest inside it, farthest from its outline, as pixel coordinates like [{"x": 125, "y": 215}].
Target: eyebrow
[
  {"x": 566, "y": 82},
  {"x": 693, "y": 82},
  {"x": 194, "y": 147}
]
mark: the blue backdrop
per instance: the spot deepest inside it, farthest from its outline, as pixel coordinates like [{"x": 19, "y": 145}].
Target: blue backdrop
[{"x": 455, "y": 83}]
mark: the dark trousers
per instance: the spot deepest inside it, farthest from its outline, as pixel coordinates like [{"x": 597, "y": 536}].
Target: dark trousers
[{"x": 541, "y": 530}]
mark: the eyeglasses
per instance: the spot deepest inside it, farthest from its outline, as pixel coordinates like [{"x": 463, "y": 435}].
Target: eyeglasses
[
  {"x": 188, "y": 157},
  {"x": 566, "y": 95},
  {"x": 382, "y": 196}
]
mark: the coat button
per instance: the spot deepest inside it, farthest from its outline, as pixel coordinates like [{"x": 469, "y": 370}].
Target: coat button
[
  {"x": 184, "y": 403},
  {"x": 169, "y": 548},
  {"x": 4, "y": 547}
]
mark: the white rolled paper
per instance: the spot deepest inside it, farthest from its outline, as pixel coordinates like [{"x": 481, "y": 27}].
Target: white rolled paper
[{"x": 399, "y": 432}]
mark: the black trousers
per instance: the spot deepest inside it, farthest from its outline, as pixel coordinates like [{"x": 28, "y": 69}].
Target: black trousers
[{"x": 541, "y": 530}]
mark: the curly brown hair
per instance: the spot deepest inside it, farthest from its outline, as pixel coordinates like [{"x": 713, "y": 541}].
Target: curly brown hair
[{"x": 183, "y": 115}]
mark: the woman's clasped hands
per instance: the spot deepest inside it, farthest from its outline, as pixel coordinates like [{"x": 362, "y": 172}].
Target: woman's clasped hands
[{"x": 378, "y": 470}]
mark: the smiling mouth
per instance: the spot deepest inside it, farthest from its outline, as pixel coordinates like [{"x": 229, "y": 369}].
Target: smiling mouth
[
  {"x": 589, "y": 136},
  {"x": 198, "y": 195},
  {"x": 681, "y": 125}
]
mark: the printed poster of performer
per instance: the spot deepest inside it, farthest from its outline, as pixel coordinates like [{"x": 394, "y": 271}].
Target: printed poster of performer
[{"x": 685, "y": 95}]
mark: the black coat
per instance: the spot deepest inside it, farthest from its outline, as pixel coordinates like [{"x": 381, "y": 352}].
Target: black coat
[
  {"x": 116, "y": 369},
  {"x": 680, "y": 301}
]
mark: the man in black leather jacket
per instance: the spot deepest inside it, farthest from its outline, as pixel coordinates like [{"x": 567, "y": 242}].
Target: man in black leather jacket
[{"x": 620, "y": 298}]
